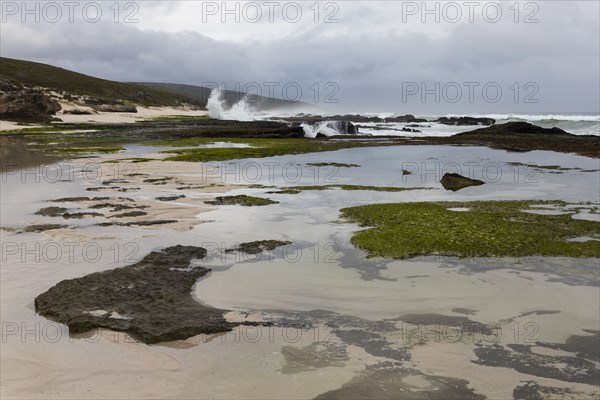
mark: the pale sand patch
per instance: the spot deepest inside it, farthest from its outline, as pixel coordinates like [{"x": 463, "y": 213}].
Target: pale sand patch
[
  {"x": 142, "y": 114},
  {"x": 245, "y": 363},
  {"x": 202, "y": 187}
]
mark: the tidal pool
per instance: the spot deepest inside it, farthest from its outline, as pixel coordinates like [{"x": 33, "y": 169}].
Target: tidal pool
[{"x": 338, "y": 317}]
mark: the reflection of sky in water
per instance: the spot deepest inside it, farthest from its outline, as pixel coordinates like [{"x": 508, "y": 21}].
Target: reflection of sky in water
[
  {"x": 382, "y": 166},
  {"x": 322, "y": 269}
]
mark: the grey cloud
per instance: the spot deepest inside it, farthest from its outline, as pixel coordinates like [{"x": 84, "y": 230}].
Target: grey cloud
[{"x": 561, "y": 55}]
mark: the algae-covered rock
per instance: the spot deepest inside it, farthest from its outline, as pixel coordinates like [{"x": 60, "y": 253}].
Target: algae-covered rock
[
  {"x": 150, "y": 299},
  {"x": 456, "y": 182}
]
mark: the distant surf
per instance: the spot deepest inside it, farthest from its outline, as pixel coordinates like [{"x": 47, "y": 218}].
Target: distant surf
[
  {"x": 576, "y": 124},
  {"x": 243, "y": 110}
]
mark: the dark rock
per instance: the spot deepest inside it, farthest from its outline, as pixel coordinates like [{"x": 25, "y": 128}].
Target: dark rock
[
  {"x": 18, "y": 103},
  {"x": 170, "y": 198},
  {"x": 139, "y": 223},
  {"x": 121, "y": 207},
  {"x": 408, "y": 118},
  {"x": 259, "y": 246},
  {"x": 80, "y": 215},
  {"x": 523, "y": 136},
  {"x": 456, "y": 182},
  {"x": 512, "y": 128},
  {"x": 78, "y": 199},
  {"x": 113, "y": 181},
  {"x": 43, "y": 227},
  {"x": 285, "y": 191},
  {"x": 158, "y": 181},
  {"x": 84, "y": 198},
  {"x": 52, "y": 211},
  {"x": 242, "y": 200},
  {"x": 97, "y": 189},
  {"x": 460, "y": 121},
  {"x": 130, "y": 214},
  {"x": 410, "y": 130},
  {"x": 150, "y": 299}
]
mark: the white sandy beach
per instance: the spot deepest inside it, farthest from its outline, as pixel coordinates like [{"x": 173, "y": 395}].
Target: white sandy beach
[{"x": 143, "y": 113}]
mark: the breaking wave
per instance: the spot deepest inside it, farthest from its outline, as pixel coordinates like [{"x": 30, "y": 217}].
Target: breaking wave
[{"x": 239, "y": 111}]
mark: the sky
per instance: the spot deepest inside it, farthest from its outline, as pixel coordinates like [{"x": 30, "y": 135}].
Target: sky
[{"x": 425, "y": 58}]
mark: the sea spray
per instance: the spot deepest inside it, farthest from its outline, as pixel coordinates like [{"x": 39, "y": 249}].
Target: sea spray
[
  {"x": 327, "y": 128},
  {"x": 215, "y": 104},
  {"x": 240, "y": 111}
]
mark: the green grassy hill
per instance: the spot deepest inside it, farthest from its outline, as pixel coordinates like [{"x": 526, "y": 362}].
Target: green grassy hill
[
  {"x": 29, "y": 73},
  {"x": 32, "y": 74}
]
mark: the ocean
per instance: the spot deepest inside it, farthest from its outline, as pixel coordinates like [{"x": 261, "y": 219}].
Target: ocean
[{"x": 581, "y": 124}]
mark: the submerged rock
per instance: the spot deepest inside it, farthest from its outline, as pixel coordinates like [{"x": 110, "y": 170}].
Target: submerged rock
[
  {"x": 456, "y": 182},
  {"x": 388, "y": 380},
  {"x": 150, "y": 299}
]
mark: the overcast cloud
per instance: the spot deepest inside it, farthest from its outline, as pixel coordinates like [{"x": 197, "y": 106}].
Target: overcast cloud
[{"x": 375, "y": 55}]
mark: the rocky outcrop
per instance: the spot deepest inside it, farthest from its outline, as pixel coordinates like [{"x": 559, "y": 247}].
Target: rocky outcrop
[
  {"x": 523, "y": 136},
  {"x": 150, "y": 299},
  {"x": 456, "y": 182},
  {"x": 515, "y": 128},
  {"x": 462, "y": 121},
  {"x": 18, "y": 103}
]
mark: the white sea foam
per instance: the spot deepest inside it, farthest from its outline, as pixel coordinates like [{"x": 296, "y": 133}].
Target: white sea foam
[
  {"x": 240, "y": 111},
  {"x": 326, "y": 128}
]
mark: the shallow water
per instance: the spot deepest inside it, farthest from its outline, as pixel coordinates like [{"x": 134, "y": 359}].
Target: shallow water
[{"x": 320, "y": 270}]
